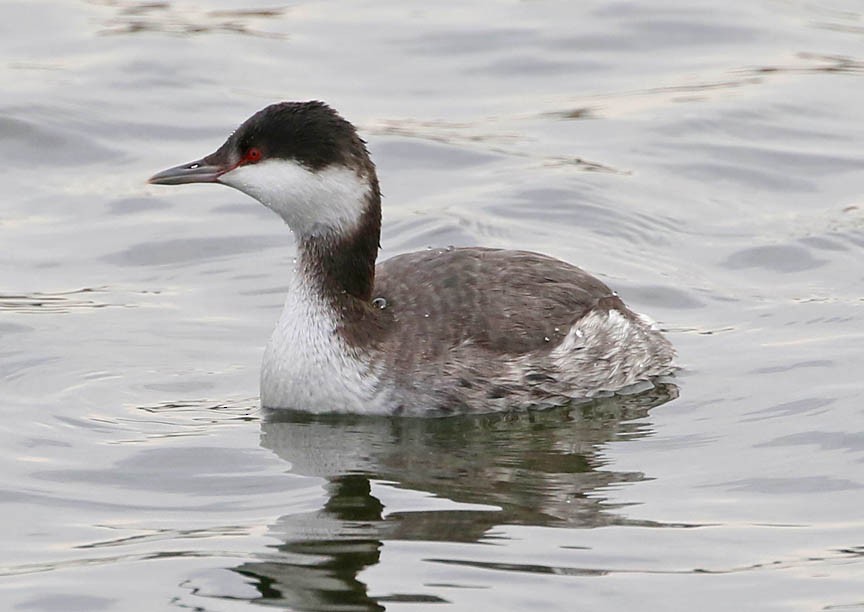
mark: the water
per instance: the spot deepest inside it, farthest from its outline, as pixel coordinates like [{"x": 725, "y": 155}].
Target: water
[{"x": 703, "y": 159}]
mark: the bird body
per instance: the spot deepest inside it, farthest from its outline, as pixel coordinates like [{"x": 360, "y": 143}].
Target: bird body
[{"x": 434, "y": 332}]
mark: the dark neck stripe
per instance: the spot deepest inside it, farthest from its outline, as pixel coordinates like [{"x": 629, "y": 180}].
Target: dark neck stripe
[{"x": 344, "y": 265}]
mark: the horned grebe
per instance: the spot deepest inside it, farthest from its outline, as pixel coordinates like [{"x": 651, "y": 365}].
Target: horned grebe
[{"x": 427, "y": 333}]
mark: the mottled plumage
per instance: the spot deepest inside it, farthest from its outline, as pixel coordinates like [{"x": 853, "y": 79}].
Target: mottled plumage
[{"x": 469, "y": 330}]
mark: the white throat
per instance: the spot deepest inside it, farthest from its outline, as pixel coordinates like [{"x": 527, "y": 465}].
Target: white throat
[
  {"x": 308, "y": 366},
  {"x": 310, "y": 202}
]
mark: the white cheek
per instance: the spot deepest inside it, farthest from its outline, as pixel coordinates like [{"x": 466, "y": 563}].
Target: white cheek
[{"x": 332, "y": 198}]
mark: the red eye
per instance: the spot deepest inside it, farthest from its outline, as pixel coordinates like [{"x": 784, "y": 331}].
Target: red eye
[{"x": 252, "y": 155}]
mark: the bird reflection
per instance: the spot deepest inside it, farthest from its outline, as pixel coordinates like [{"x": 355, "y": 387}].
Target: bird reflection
[
  {"x": 536, "y": 468},
  {"x": 323, "y": 553}
]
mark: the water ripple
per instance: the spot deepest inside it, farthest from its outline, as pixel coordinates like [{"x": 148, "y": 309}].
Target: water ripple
[{"x": 55, "y": 302}]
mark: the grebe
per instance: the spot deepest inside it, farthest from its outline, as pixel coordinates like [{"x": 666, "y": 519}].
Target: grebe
[{"x": 428, "y": 333}]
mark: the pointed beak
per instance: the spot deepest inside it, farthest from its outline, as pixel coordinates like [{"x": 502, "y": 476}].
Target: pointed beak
[{"x": 201, "y": 171}]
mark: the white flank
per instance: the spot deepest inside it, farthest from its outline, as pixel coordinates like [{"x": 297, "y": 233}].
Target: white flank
[{"x": 331, "y": 199}]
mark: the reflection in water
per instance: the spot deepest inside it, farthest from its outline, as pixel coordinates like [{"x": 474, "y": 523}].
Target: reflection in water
[
  {"x": 317, "y": 566},
  {"x": 541, "y": 469}
]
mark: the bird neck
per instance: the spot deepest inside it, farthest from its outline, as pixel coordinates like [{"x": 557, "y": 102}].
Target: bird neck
[{"x": 341, "y": 262}]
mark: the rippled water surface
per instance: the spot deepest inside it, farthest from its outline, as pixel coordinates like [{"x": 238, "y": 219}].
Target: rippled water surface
[{"x": 703, "y": 158}]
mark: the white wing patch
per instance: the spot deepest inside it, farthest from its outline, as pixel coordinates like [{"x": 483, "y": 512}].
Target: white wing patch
[{"x": 603, "y": 351}]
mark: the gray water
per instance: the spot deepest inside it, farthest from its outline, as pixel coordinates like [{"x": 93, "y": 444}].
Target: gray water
[{"x": 705, "y": 159}]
